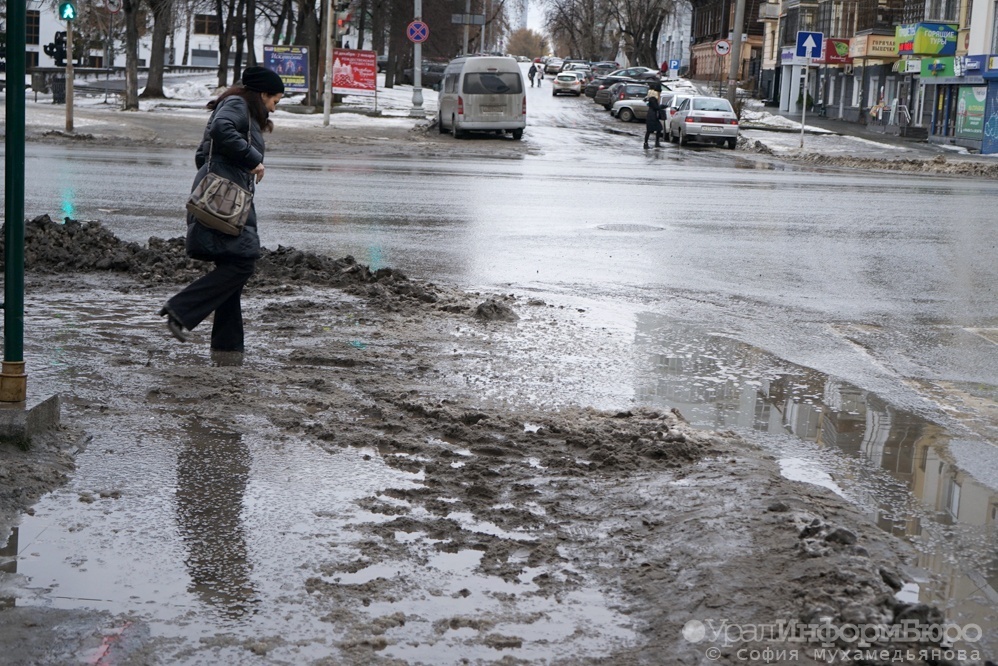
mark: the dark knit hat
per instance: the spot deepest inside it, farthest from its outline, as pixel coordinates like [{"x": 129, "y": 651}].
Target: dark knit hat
[{"x": 263, "y": 80}]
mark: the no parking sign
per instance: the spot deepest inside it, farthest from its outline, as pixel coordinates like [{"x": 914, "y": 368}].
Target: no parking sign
[{"x": 417, "y": 32}]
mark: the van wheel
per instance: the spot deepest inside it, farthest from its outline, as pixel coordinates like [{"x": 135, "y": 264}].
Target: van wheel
[
  {"x": 455, "y": 132},
  {"x": 518, "y": 134},
  {"x": 440, "y": 124}
]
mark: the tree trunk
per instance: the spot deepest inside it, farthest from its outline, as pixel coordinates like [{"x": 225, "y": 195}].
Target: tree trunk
[
  {"x": 162, "y": 23},
  {"x": 225, "y": 29},
  {"x": 237, "y": 67},
  {"x": 187, "y": 37},
  {"x": 250, "y": 33},
  {"x": 308, "y": 35},
  {"x": 361, "y": 24},
  {"x": 131, "y": 8}
]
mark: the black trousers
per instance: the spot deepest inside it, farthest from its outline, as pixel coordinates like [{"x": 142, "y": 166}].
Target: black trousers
[
  {"x": 648, "y": 133},
  {"x": 220, "y": 291}
]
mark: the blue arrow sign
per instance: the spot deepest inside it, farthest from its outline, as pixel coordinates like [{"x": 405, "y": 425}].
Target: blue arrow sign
[{"x": 809, "y": 44}]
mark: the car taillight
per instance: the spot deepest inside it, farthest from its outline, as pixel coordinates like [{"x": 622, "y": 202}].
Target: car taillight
[
  {"x": 691, "y": 119},
  {"x": 460, "y": 106},
  {"x": 733, "y": 122}
]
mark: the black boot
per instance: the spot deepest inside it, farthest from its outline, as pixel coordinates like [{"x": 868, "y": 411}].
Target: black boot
[
  {"x": 646, "y": 144},
  {"x": 658, "y": 140}
]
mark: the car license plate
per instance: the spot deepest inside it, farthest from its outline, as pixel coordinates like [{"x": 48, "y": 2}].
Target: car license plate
[
  {"x": 708, "y": 129},
  {"x": 493, "y": 109}
]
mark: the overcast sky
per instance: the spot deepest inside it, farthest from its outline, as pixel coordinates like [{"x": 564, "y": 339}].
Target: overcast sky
[{"x": 535, "y": 16}]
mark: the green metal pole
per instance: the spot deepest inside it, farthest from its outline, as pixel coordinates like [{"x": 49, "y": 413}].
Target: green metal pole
[{"x": 13, "y": 380}]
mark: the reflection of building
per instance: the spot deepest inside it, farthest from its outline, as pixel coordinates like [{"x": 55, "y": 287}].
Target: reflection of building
[{"x": 721, "y": 383}]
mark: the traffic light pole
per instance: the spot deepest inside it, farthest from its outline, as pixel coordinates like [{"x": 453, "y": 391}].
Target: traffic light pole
[
  {"x": 13, "y": 380},
  {"x": 69, "y": 76}
]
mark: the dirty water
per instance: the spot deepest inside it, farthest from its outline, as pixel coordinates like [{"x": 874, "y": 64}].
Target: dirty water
[{"x": 913, "y": 477}]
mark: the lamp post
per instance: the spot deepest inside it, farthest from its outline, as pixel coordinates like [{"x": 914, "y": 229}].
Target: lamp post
[{"x": 417, "y": 67}]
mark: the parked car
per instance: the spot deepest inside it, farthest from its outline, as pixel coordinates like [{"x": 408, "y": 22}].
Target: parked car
[
  {"x": 566, "y": 82},
  {"x": 432, "y": 74},
  {"x": 670, "y": 111},
  {"x": 628, "y": 91},
  {"x": 638, "y": 73},
  {"x": 583, "y": 70},
  {"x": 592, "y": 87},
  {"x": 483, "y": 93},
  {"x": 382, "y": 63},
  {"x": 573, "y": 61},
  {"x": 603, "y": 68},
  {"x": 629, "y": 110},
  {"x": 681, "y": 86},
  {"x": 705, "y": 119},
  {"x": 604, "y": 94},
  {"x": 552, "y": 65}
]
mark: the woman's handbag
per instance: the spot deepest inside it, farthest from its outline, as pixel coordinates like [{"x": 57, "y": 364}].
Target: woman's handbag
[{"x": 220, "y": 204}]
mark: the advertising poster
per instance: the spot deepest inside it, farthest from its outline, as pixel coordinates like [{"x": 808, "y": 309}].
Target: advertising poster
[
  {"x": 989, "y": 144},
  {"x": 291, "y": 62},
  {"x": 970, "y": 112},
  {"x": 355, "y": 72}
]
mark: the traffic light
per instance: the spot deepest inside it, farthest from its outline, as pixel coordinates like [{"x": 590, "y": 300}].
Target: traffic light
[
  {"x": 67, "y": 11},
  {"x": 57, "y": 49}
]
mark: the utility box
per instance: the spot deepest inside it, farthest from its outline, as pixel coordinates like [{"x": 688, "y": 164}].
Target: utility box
[{"x": 58, "y": 91}]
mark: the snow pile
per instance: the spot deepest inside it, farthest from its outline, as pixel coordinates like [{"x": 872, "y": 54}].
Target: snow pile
[{"x": 190, "y": 90}]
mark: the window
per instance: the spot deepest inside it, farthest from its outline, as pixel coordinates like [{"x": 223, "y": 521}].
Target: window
[
  {"x": 30, "y": 59},
  {"x": 205, "y": 24},
  {"x": 708, "y": 104},
  {"x": 34, "y": 26},
  {"x": 488, "y": 83}
]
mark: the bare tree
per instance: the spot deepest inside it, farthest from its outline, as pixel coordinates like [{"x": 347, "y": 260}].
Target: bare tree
[
  {"x": 640, "y": 23},
  {"x": 132, "y": 13},
  {"x": 583, "y": 28},
  {"x": 162, "y": 12}
]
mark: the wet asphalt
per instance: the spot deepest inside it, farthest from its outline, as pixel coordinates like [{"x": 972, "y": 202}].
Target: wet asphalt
[{"x": 842, "y": 319}]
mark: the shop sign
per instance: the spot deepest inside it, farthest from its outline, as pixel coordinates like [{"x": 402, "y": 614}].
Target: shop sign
[
  {"x": 912, "y": 66},
  {"x": 873, "y": 46},
  {"x": 932, "y": 39},
  {"x": 937, "y": 67},
  {"x": 970, "y": 112},
  {"x": 836, "y": 52},
  {"x": 974, "y": 64}
]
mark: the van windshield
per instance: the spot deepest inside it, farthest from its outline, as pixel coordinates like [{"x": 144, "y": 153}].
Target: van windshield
[{"x": 492, "y": 83}]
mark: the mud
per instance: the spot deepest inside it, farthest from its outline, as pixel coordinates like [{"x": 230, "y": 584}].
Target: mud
[{"x": 608, "y": 536}]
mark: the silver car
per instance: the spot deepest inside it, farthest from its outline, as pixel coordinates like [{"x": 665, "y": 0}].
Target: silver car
[
  {"x": 636, "y": 109},
  {"x": 704, "y": 119}
]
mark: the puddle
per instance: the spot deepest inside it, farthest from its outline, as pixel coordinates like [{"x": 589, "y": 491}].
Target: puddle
[{"x": 916, "y": 479}]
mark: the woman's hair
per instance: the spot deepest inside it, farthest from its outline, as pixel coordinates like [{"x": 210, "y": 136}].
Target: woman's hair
[{"x": 254, "y": 102}]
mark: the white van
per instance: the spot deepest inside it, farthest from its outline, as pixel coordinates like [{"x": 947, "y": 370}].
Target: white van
[{"x": 482, "y": 93}]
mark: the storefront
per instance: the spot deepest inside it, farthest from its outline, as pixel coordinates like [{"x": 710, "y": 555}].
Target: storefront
[
  {"x": 916, "y": 41},
  {"x": 834, "y": 77},
  {"x": 874, "y": 81},
  {"x": 959, "y": 94}
]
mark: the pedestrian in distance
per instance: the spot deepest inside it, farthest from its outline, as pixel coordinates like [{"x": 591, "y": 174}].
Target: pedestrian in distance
[
  {"x": 233, "y": 138},
  {"x": 531, "y": 73},
  {"x": 653, "y": 121}
]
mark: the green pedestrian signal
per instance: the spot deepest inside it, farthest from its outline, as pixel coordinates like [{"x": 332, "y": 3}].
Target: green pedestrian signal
[{"x": 67, "y": 11}]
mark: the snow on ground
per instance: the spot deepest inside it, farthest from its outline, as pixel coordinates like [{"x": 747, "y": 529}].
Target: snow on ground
[{"x": 753, "y": 113}]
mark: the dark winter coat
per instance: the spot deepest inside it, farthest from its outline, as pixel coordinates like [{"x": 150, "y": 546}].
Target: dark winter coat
[
  {"x": 233, "y": 158},
  {"x": 652, "y": 121}
]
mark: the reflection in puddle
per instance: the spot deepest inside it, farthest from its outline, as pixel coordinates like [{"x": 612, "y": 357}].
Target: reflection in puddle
[
  {"x": 837, "y": 435},
  {"x": 213, "y": 469}
]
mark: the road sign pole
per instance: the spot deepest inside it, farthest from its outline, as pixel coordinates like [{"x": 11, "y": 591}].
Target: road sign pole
[
  {"x": 803, "y": 107},
  {"x": 417, "y": 67},
  {"x": 736, "y": 51},
  {"x": 327, "y": 93},
  {"x": 69, "y": 76}
]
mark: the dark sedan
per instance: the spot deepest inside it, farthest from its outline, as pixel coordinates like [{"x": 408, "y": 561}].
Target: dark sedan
[
  {"x": 606, "y": 95},
  {"x": 433, "y": 73}
]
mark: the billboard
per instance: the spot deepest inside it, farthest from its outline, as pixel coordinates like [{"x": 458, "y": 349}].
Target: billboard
[
  {"x": 291, "y": 63},
  {"x": 931, "y": 39},
  {"x": 836, "y": 52},
  {"x": 355, "y": 72}
]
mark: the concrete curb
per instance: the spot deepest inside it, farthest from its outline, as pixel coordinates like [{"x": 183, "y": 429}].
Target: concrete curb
[{"x": 20, "y": 421}]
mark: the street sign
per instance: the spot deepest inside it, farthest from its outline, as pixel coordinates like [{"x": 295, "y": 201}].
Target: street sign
[
  {"x": 674, "y": 64},
  {"x": 417, "y": 32},
  {"x": 809, "y": 44},
  {"x": 113, "y": 6},
  {"x": 722, "y": 47}
]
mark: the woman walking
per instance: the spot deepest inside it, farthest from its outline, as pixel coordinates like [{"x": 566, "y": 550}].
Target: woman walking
[
  {"x": 232, "y": 146},
  {"x": 653, "y": 123}
]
